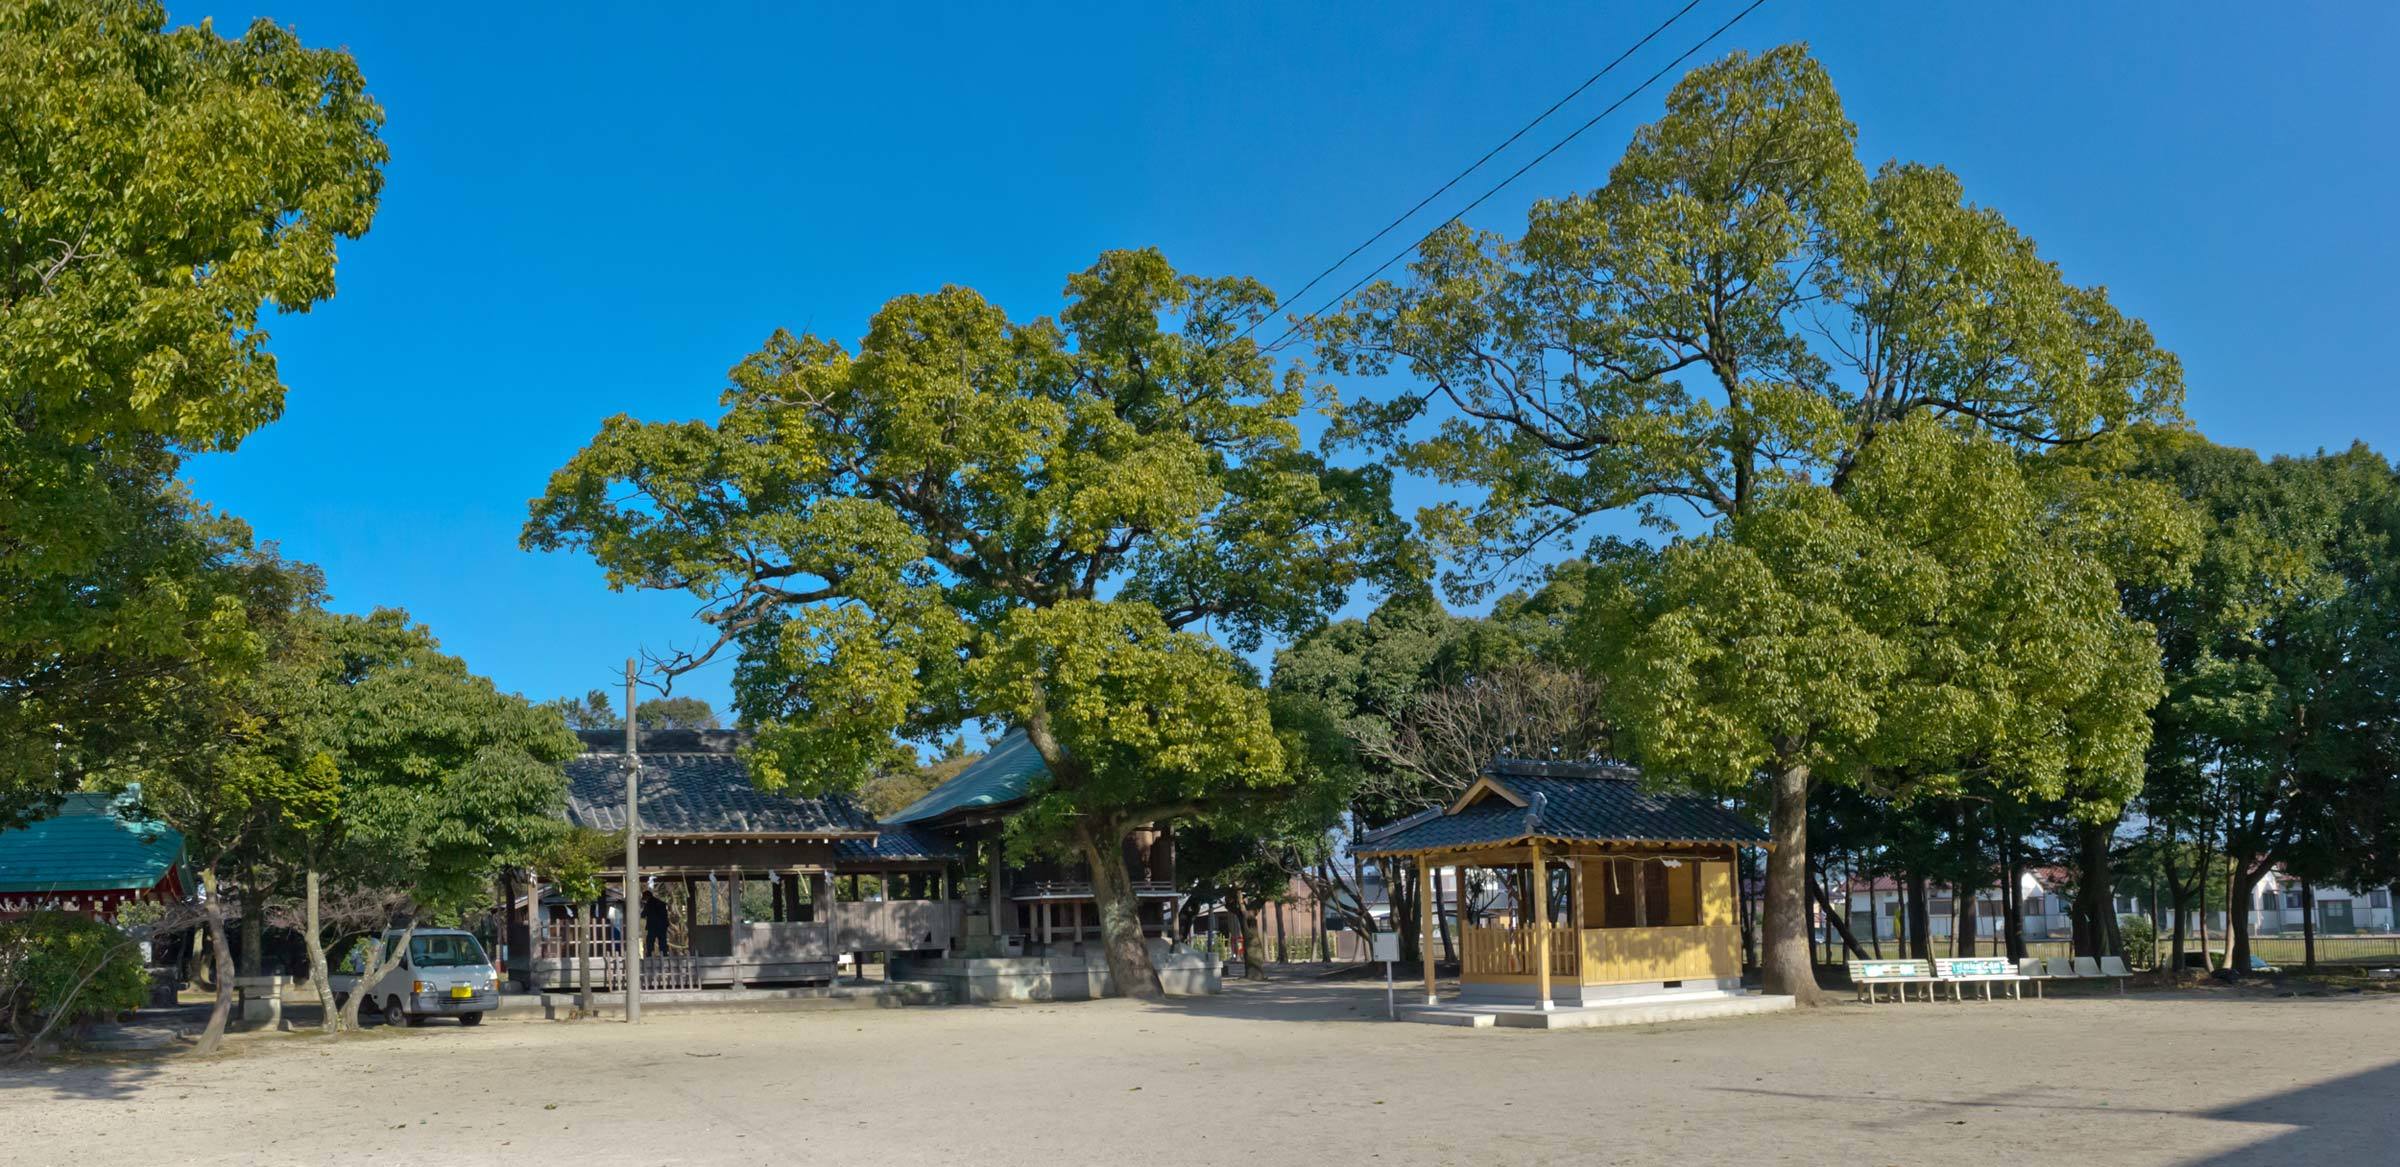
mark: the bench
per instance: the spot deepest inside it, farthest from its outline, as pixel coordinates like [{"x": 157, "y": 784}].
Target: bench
[
  {"x": 1960, "y": 971},
  {"x": 2109, "y": 967},
  {"x": 1866, "y": 974}
]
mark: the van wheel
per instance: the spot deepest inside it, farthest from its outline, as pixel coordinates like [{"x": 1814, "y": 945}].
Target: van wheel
[{"x": 470, "y": 1019}]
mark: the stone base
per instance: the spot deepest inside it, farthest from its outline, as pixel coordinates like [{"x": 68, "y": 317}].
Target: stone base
[
  {"x": 259, "y": 1001},
  {"x": 1624, "y": 1011},
  {"x": 891, "y": 995},
  {"x": 1564, "y": 994},
  {"x": 1182, "y": 972}
]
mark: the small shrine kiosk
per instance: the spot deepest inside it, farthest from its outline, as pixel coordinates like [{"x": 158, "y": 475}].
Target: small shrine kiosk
[{"x": 1636, "y": 886}]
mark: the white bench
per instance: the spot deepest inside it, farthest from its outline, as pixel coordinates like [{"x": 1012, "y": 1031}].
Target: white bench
[
  {"x": 1900, "y": 974},
  {"x": 1960, "y": 971}
]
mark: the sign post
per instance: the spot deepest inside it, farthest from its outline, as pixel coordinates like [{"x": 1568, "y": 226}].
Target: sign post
[{"x": 1387, "y": 950}]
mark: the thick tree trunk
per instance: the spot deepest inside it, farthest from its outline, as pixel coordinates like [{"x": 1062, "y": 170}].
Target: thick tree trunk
[
  {"x": 1784, "y": 968},
  {"x": 380, "y": 959},
  {"x": 214, "y": 1035},
  {"x": 1920, "y": 917},
  {"x": 2237, "y": 920},
  {"x": 1103, "y": 847},
  {"x": 2095, "y": 894},
  {"x": 2012, "y": 900},
  {"x": 2308, "y": 925},
  {"x": 1746, "y": 916},
  {"x": 1441, "y": 919},
  {"x": 2177, "y": 898},
  {"x": 312, "y": 938}
]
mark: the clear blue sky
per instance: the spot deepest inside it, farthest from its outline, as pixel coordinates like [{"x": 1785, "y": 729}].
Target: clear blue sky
[{"x": 600, "y": 209}]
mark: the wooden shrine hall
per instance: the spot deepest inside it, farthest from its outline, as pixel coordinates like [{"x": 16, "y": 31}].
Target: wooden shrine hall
[
  {"x": 1622, "y": 892},
  {"x": 756, "y": 887}
]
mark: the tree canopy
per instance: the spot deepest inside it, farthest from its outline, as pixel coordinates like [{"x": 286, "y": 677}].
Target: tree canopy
[{"x": 1064, "y": 524}]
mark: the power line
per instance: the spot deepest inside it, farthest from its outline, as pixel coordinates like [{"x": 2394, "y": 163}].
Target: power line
[
  {"x": 1490, "y": 154},
  {"x": 1630, "y": 94}
]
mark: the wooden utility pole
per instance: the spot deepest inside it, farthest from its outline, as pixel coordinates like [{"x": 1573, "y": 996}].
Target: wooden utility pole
[{"x": 633, "y": 860}]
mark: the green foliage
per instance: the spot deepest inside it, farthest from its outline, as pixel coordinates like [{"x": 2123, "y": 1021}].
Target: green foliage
[
  {"x": 573, "y": 860},
  {"x": 1932, "y": 624},
  {"x": 674, "y": 713},
  {"x": 161, "y": 189},
  {"x": 974, "y": 518},
  {"x": 591, "y": 711},
  {"x": 54, "y": 960},
  {"x": 1653, "y": 343}
]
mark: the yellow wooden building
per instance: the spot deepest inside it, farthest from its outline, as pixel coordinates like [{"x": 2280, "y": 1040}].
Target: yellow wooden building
[{"x": 1637, "y": 886}]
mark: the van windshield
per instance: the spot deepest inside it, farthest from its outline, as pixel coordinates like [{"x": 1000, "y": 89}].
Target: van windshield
[{"x": 444, "y": 951}]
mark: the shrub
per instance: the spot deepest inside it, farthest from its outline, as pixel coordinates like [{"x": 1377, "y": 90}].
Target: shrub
[
  {"x": 57, "y": 960},
  {"x": 2141, "y": 940}
]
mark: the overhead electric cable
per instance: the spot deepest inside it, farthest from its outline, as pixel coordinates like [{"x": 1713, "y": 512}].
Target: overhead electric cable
[
  {"x": 1488, "y": 155},
  {"x": 1561, "y": 144}
]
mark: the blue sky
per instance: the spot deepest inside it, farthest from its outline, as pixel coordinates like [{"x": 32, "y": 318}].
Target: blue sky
[{"x": 601, "y": 211}]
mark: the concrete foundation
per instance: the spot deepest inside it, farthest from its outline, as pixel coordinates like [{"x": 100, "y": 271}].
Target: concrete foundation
[
  {"x": 1564, "y": 993},
  {"x": 890, "y": 995},
  {"x": 1183, "y": 972},
  {"x": 1651, "y": 1010}
]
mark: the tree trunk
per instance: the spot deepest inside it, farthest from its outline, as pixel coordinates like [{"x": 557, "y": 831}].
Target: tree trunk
[
  {"x": 1121, "y": 942},
  {"x": 2095, "y": 894},
  {"x": 381, "y": 959},
  {"x": 1841, "y": 925},
  {"x": 1785, "y": 969},
  {"x": 1920, "y": 917},
  {"x": 1441, "y": 919},
  {"x": 2237, "y": 920},
  {"x": 2308, "y": 925},
  {"x": 2177, "y": 897},
  {"x": 1744, "y": 914},
  {"x": 252, "y": 960},
  {"x": 214, "y": 1035},
  {"x": 312, "y": 938},
  {"x": 2012, "y": 900}
]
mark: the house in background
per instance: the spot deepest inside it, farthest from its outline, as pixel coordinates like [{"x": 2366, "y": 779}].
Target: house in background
[{"x": 91, "y": 857}]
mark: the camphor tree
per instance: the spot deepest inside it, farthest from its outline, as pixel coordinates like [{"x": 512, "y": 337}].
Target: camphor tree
[
  {"x": 1739, "y": 307},
  {"x": 160, "y": 189},
  {"x": 1029, "y": 523}
]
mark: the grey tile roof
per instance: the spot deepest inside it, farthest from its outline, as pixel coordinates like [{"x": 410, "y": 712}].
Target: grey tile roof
[
  {"x": 898, "y": 842},
  {"x": 1581, "y": 802},
  {"x": 700, "y": 794}
]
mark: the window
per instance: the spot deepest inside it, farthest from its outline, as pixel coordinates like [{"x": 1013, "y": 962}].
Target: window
[
  {"x": 1641, "y": 893},
  {"x": 2379, "y": 898},
  {"x": 2291, "y": 899}
]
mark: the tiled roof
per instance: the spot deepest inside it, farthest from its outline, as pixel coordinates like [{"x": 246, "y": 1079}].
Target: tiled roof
[
  {"x": 1580, "y": 802},
  {"x": 86, "y": 846},
  {"x": 700, "y": 794},
  {"x": 898, "y": 842},
  {"x": 998, "y": 779}
]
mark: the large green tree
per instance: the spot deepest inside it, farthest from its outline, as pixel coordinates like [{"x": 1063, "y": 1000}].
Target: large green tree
[
  {"x": 2275, "y": 743},
  {"x": 159, "y": 190},
  {"x": 1065, "y": 524},
  {"x": 1741, "y": 305}
]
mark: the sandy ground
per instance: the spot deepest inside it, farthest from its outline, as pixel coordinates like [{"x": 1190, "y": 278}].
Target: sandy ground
[{"x": 1276, "y": 1073}]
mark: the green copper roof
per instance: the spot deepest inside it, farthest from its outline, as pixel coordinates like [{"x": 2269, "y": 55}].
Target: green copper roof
[
  {"x": 1000, "y": 778},
  {"x": 87, "y": 847}
]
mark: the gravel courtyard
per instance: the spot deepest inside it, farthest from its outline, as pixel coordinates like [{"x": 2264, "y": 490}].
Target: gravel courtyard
[{"x": 1279, "y": 1073}]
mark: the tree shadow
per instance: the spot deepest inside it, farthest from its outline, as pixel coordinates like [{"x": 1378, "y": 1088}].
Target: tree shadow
[
  {"x": 91, "y": 1077},
  {"x": 2345, "y": 1120}
]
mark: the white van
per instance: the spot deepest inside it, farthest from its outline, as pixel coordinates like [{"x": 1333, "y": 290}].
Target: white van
[{"x": 444, "y": 974}]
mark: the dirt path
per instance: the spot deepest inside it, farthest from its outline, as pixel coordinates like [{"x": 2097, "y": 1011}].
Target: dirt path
[{"x": 1299, "y": 1073}]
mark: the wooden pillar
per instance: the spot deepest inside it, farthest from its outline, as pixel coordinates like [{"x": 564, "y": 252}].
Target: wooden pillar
[
  {"x": 1540, "y": 891},
  {"x": 1425, "y": 938},
  {"x": 533, "y": 928},
  {"x": 1576, "y": 911}
]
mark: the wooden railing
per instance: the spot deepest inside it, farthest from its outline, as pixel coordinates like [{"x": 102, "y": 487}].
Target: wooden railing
[
  {"x": 897, "y": 925},
  {"x": 1509, "y": 952}
]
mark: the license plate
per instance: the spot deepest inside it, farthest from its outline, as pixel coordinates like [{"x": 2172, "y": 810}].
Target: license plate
[{"x": 462, "y": 992}]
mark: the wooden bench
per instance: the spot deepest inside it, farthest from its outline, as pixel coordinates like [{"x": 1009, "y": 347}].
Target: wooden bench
[
  {"x": 1960, "y": 971},
  {"x": 1866, "y": 974}
]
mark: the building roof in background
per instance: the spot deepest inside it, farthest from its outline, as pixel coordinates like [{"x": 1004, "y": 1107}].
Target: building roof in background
[
  {"x": 897, "y": 843},
  {"x": 694, "y": 783},
  {"x": 1520, "y": 799},
  {"x": 88, "y": 846},
  {"x": 991, "y": 783}
]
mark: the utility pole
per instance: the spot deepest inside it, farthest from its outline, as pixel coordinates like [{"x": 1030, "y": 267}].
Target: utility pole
[{"x": 633, "y": 860}]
